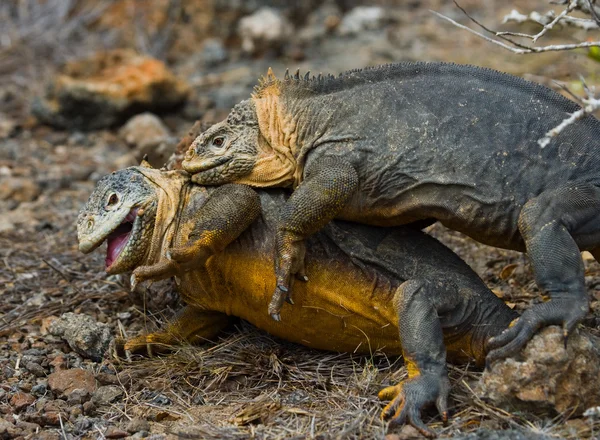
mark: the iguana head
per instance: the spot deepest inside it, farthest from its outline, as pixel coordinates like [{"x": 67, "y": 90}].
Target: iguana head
[
  {"x": 122, "y": 212},
  {"x": 227, "y": 151},
  {"x": 130, "y": 209}
]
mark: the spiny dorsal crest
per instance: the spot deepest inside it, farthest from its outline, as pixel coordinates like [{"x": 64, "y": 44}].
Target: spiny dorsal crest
[
  {"x": 269, "y": 85},
  {"x": 243, "y": 113}
]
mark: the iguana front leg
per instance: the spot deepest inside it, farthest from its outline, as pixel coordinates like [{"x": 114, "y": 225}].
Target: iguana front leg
[
  {"x": 162, "y": 270},
  {"x": 327, "y": 187},
  {"x": 191, "y": 325},
  {"x": 228, "y": 212}
]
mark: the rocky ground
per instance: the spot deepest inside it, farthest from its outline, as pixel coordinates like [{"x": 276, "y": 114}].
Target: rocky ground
[{"x": 248, "y": 385}]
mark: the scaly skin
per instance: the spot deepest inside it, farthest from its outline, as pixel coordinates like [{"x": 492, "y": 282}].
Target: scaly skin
[
  {"x": 399, "y": 143},
  {"x": 394, "y": 290}
]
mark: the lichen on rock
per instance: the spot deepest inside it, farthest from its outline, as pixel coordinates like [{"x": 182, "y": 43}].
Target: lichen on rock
[
  {"x": 546, "y": 377},
  {"x": 105, "y": 89},
  {"x": 87, "y": 337}
]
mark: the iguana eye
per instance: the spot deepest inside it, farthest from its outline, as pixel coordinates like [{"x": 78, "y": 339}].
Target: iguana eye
[
  {"x": 113, "y": 199},
  {"x": 218, "y": 141}
]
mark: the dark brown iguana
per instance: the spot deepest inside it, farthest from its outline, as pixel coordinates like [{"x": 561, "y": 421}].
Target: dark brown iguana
[
  {"x": 394, "y": 144},
  {"x": 395, "y": 290}
]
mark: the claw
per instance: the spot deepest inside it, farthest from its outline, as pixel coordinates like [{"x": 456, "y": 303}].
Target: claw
[
  {"x": 445, "y": 418},
  {"x": 168, "y": 255},
  {"x": 133, "y": 282},
  {"x": 276, "y": 303},
  {"x": 283, "y": 288},
  {"x": 289, "y": 300},
  {"x": 303, "y": 278}
]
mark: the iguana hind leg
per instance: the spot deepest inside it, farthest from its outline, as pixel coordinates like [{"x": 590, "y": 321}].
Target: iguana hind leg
[
  {"x": 328, "y": 185},
  {"x": 190, "y": 325},
  {"x": 419, "y": 304},
  {"x": 555, "y": 225}
]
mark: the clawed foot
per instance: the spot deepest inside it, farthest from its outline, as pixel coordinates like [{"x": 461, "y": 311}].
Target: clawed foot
[
  {"x": 148, "y": 345},
  {"x": 136, "y": 280},
  {"x": 289, "y": 267},
  {"x": 408, "y": 398},
  {"x": 189, "y": 256},
  {"x": 159, "y": 271},
  {"x": 567, "y": 313}
]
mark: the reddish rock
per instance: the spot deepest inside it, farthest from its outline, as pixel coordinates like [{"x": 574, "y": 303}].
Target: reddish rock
[
  {"x": 113, "y": 432},
  {"x": 64, "y": 382},
  {"x": 53, "y": 412},
  {"x": 105, "y": 89},
  {"x": 59, "y": 362},
  {"x": 21, "y": 400}
]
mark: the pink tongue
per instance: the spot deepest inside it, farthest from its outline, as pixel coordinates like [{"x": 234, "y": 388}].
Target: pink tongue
[{"x": 114, "y": 248}]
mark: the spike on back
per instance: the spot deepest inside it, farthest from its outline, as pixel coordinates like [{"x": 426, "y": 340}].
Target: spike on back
[
  {"x": 144, "y": 163},
  {"x": 267, "y": 85}
]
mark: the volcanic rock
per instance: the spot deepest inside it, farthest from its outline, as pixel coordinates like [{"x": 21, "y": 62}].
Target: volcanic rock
[
  {"x": 546, "y": 377},
  {"x": 83, "y": 334},
  {"x": 105, "y": 89}
]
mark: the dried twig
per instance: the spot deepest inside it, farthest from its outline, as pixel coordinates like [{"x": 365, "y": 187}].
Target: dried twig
[
  {"x": 514, "y": 46},
  {"x": 591, "y": 104},
  {"x": 537, "y": 18}
]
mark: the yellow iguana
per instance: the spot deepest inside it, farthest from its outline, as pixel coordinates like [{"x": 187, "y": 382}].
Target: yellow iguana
[{"x": 394, "y": 290}]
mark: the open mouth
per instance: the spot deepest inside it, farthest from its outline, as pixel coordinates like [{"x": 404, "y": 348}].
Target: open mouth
[{"x": 118, "y": 238}]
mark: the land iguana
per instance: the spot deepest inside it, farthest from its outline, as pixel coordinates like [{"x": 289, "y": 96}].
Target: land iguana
[
  {"x": 395, "y": 290},
  {"x": 399, "y": 143}
]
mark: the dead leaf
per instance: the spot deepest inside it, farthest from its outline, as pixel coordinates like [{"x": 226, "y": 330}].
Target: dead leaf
[{"x": 507, "y": 271}]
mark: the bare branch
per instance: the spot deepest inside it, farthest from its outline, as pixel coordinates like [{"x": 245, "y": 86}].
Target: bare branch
[
  {"x": 591, "y": 105},
  {"x": 544, "y": 20},
  {"x": 482, "y": 26},
  {"x": 594, "y": 13},
  {"x": 520, "y": 48},
  {"x": 560, "y": 16}
]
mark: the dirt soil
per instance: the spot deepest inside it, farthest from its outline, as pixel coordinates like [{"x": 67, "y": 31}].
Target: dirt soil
[{"x": 247, "y": 384}]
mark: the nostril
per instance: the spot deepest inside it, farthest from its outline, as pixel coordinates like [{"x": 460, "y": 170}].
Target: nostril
[{"x": 90, "y": 224}]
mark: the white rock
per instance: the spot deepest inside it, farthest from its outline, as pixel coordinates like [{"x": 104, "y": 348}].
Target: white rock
[
  {"x": 360, "y": 19},
  {"x": 263, "y": 29}
]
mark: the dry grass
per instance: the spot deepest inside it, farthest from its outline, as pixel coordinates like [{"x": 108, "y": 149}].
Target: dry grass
[{"x": 250, "y": 385}]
